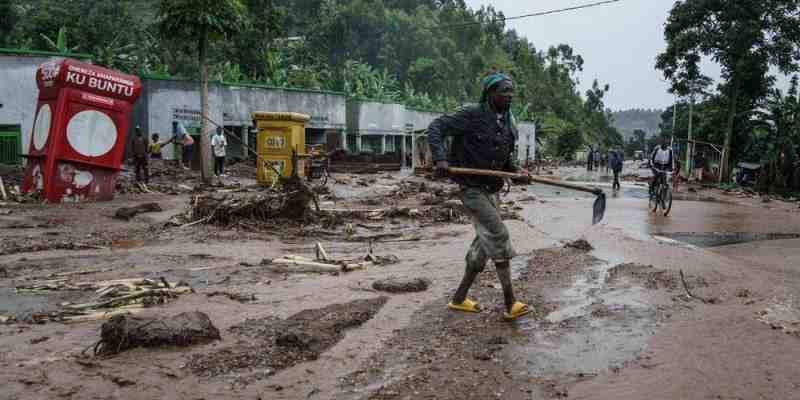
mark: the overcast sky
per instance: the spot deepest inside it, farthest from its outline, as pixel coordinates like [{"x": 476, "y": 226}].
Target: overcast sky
[{"x": 619, "y": 43}]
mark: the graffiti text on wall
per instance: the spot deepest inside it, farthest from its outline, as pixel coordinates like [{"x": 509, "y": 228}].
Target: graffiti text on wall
[{"x": 186, "y": 114}]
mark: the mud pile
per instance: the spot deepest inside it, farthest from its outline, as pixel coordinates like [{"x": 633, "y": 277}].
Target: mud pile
[
  {"x": 269, "y": 344},
  {"x": 125, "y": 332},
  {"x": 401, "y": 285}
]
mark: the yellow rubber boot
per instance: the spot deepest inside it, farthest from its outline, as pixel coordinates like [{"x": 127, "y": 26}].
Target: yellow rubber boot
[
  {"x": 517, "y": 310},
  {"x": 467, "y": 306}
]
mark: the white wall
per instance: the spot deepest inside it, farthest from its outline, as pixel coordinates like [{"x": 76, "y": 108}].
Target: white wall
[
  {"x": 231, "y": 105},
  {"x": 18, "y": 92}
]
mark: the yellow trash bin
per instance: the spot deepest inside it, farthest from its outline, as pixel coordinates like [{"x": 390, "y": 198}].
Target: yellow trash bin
[{"x": 279, "y": 135}]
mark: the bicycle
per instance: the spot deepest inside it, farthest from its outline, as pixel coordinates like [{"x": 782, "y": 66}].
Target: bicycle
[
  {"x": 318, "y": 165},
  {"x": 661, "y": 192}
]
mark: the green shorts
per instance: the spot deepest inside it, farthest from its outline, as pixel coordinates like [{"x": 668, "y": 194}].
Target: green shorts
[{"x": 492, "y": 240}]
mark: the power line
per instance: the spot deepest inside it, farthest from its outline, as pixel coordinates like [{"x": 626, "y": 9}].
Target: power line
[{"x": 536, "y": 14}]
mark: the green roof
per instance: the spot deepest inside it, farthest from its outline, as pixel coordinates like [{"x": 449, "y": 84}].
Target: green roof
[
  {"x": 359, "y": 99},
  {"x": 240, "y": 84},
  {"x": 26, "y": 52},
  {"x": 435, "y": 111}
]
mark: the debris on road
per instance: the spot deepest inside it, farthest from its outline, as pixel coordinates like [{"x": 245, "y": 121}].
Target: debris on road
[
  {"x": 580, "y": 244},
  {"x": 125, "y": 332},
  {"x": 241, "y": 298},
  {"x": 401, "y": 285},
  {"x": 9, "y": 247},
  {"x": 299, "y": 264},
  {"x": 292, "y": 202},
  {"x": 692, "y": 295},
  {"x": 126, "y": 213},
  {"x": 781, "y": 315},
  {"x": 110, "y": 298},
  {"x": 269, "y": 344}
]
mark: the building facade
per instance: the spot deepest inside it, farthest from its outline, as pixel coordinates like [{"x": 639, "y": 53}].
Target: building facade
[
  {"x": 18, "y": 94},
  {"x": 166, "y": 106}
]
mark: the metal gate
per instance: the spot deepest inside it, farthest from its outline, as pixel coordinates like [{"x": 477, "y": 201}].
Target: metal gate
[{"x": 10, "y": 145}]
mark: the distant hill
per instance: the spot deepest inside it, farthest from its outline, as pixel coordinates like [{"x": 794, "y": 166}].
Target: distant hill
[{"x": 626, "y": 121}]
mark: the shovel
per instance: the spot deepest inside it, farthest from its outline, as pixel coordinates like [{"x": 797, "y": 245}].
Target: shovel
[{"x": 598, "y": 209}]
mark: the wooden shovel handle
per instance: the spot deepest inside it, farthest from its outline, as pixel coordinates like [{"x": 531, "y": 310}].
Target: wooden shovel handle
[{"x": 511, "y": 175}]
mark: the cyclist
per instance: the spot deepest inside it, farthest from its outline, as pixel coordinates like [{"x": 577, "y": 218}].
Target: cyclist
[{"x": 660, "y": 162}]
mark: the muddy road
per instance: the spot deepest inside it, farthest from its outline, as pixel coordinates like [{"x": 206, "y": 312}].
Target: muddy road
[{"x": 614, "y": 321}]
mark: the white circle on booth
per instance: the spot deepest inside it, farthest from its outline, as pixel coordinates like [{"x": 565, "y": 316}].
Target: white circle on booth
[
  {"x": 91, "y": 133},
  {"x": 42, "y": 129}
]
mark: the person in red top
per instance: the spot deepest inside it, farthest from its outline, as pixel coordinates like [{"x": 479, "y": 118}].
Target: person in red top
[
  {"x": 188, "y": 147},
  {"x": 141, "y": 152}
]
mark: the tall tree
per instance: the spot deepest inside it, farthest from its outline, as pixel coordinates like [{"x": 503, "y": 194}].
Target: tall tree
[
  {"x": 744, "y": 37},
  {"x": 8, "y": 18},
  {"x": 201, "y": 21}
]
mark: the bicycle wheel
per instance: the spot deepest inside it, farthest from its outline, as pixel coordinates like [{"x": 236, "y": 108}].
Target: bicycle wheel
[
  {"x": 654, "y": 198},
  {"x": 666, "y": 200}
]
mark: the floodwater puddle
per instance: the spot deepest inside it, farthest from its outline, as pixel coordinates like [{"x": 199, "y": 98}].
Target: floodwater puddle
[
  {"x": 716, "y": 239},
  {"x": 19, "y": 304},
  {"x": 598, "y": 325}
]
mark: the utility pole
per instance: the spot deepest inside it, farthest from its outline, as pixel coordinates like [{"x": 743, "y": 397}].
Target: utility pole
[
  {"x": 689, "y": 143},
  {"x": 674, "y": 116}
]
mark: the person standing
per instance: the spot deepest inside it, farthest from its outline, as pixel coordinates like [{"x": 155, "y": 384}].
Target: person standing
[
  {"x": 597, "y": 159},
  {"x": 156, "y": 146},
  {"x": 617, "y": 160},
  {"x": 141, "y": 152},
  {"x": 699, "y": 166},
  {"x": 484, "y": 136},
  {"x": 590, "y": 159},
  {"x": 187, "y": 149},
  {"x": 218, "y": 144}
]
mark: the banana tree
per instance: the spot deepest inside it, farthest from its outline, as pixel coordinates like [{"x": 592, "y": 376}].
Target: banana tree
[{"x": 59, "y": 45}]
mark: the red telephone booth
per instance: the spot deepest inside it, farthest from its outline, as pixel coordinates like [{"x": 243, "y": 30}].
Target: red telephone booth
[{"x": 80, "y": 130}]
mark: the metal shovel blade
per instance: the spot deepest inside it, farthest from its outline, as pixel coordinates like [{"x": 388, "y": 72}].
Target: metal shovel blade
[{"x": 599, "y": 208}]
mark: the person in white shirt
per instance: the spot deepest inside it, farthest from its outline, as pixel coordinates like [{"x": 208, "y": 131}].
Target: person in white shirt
[
  {"x": 218, "y": 144},
  {"x": 660, "y": 161}
]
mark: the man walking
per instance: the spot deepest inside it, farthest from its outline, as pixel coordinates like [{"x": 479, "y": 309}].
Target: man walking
[
  {"x": 141, "y": 152},
  {"x": 484, "y": 136},
  {"x": 218, "y": 144},
  {"x": 597, "y": 159},
  {"x": 617, "y": 160}
]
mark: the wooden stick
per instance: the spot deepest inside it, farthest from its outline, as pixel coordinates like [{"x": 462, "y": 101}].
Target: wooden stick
[
  {"x": 201, "y": 220},
  {"x": 321, "y": 253},
  {"x": 355, "y": 266},
  {"x": 502, "y": 174},
  {"x": 90, "y": 246},
  {"x": 688, "y": 293},
  {"x": 132, "y": 296},
  {"x": 3, "y": 189},
  {"x": 104, "y": 315},
  {"x": 306, "y": 266}
]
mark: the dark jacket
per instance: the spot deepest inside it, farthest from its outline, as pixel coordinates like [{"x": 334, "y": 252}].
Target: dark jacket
[
  {"x": 478, "y": 142},
  {"x": 699, "y": 161},
  {"x": 141, "y": 146},
  {"x": 616, "y": 161}
]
